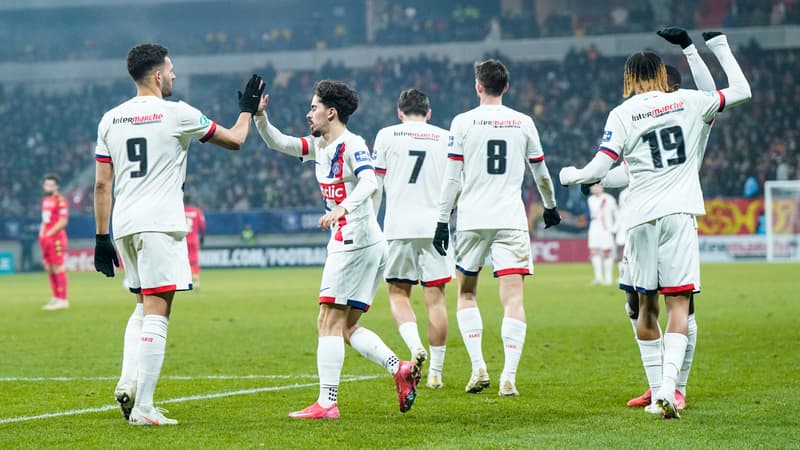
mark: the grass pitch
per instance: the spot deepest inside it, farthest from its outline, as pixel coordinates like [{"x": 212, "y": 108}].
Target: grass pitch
[{"x": 241, "y": 355}]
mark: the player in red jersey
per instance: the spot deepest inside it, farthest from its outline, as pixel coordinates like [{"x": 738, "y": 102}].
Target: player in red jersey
[
  {"x": 196, "y": 221},
  {"x": 53, "y": 241}
]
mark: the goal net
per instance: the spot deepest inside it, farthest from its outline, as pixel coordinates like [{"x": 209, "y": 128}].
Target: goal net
[{"x": 782, "y": 219}]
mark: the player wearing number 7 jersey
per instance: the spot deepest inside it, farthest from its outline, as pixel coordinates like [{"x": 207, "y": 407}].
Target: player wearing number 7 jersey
[
  {"x": 661, "y": 136},
  {"x": 141, "y": 150},
  {"x": 489, "y": 147},
  {"x": 410, "y": 158}
]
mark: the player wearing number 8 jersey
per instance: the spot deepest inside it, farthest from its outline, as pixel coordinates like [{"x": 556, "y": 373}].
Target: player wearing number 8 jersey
[
  {"x": 141, "y": 150},
  {"x": 490, "y": 146},
  {"x": 410, "y": 159},
  {"x": 661, "y": 135}
]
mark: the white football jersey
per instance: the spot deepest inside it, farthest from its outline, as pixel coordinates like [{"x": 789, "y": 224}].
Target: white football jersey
[
  {"x": 602, "y": 212},
  {"x": 496, "y": 143},
  {"x": 337, "y": 167},
  {"x": 146, "y": 139},
  {"x": 662, "y": 137},
  {"x": 622, "y": 208},
  {"x": 412, "y": 157}
]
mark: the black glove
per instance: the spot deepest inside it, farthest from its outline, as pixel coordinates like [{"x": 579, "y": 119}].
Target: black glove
[
  {"x": 710, "y": 35},
  {"x": 441, "y": 239},
  {"x": 551, "y": 217},
  {"x": 104, "y": 255},
  {"x": 248, "y": 100},
  {"x": 586, "y": 188},
  {"x": 675, "y": 35}
]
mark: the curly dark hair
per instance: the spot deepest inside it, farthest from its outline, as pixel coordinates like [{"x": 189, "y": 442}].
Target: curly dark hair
[
  {"x": 145, "y": 57},
  {"x": 492, "y": 75},
  {"x": 673, "y": 77},
  {"x": 52, "y": 176},
  {"x": 337, "y": 95},
  {"x": 413, "y": 102}
]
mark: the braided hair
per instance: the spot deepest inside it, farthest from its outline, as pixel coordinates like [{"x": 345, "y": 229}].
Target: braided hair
[{"x": 644, "y": 71}]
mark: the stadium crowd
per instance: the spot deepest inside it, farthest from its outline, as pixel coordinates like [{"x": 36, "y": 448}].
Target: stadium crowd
[
  {"x": 569, "y": 101},
  {"x": 71, "y": 33}
]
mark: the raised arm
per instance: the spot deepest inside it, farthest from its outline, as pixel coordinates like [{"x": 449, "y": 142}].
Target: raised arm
[
  {"x": 273, "y": 137},
  {"x": 700, "y": 73},
  {"x": 233, "y": 138},
  {"x": 738, "y": 90}
]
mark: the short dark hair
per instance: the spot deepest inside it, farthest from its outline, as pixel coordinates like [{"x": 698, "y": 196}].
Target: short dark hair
[
  {"x": 145, "y": 57},
  {"x": 52, "y": 176},
  {"x": 673, "y": 77},
  {"x": 413, "y": 102},
  {"x": 337, "y": 95},
  {"x": 492, "y": 75}
]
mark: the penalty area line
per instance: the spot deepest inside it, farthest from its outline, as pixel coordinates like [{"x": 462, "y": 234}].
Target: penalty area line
[{"x": 191, "y": 398}]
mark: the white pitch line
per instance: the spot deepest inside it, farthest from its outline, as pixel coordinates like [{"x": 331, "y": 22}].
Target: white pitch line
[
  {"x": 75, "y": 412},
  {"x": 165, "y": 377}
]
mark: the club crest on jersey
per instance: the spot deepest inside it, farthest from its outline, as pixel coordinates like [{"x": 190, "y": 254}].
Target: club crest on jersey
[
  {"x": 607, "y": 135},
  {"x": 333, "y": 191}
]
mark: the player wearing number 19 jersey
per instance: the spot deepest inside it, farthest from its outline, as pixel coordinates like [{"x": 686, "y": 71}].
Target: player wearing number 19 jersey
[
  {"x": 489, "y": 147},
  {"x": 410, "y": 159},
  {"x": 661, "y": 135},
  {"x": 142, "y": 150}
]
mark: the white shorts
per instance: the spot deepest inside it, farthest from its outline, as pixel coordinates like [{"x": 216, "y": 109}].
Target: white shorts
[
  {"x": 510, "y": 250},
  {"x": 600, "y": 239},
  {"x": 415, "y": 260},
  {"x": 155, "y": 262},
  {"x": 663, "y": 255},
  {"x": 351, "y": 278}
]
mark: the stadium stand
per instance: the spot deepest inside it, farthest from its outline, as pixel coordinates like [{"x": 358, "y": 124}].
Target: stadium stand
[{"x": 568, "y": 99}]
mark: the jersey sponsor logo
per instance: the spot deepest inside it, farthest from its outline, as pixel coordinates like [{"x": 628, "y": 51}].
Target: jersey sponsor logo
[
  {"x": 362, "y": 156},
  {"x": 417, "y": 135},
  {"x": 607, "y": 135},
  {"x": 335, "y": 191},
  {"x": 659, "y": 111},
  {"x": 498, "y": 123},
  {"x": 138, "y": 120}
]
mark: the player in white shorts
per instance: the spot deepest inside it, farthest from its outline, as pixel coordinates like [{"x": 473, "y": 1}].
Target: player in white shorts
[
  {"x": 489, "y": 148},
  {"x": 661, "y": 136},
  {"x": 618, "y": 177},
  {"x": 356, "y": 250},
  {"x": 141, "y": 151},
  {"x": 603, "y": 216},
  {"x": 410, "y": 158}
]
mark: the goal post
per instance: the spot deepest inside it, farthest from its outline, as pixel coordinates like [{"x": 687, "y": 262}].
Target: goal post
[{"x": 782, "y": 220}]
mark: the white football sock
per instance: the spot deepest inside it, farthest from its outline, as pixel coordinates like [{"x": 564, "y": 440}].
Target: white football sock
[
  {"x": 513, "y": 334},
  {"x": 330, "y": 359},
  {"x": 674, "y": 351},
  {"x": 437, "y": 358},
  {"x": 652, "y": 354},
  {"x": 608, "y": 266},
  {"x": 471, "y": 327},
  {"x": 633, "y": 321},
  {"x": 597, "y": 266},
  {"x": 130, "y": 348},
  {"x": 152, "y": 343},
  {"x": 372, "y": 347},
  {"x": 410, "y": 335},
  {"x": 689, "y": 356}
]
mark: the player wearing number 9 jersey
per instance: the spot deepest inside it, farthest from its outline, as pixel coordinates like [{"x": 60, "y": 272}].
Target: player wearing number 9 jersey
[
  {"x": 489, "y": 147},
  {"x": 141, "y": 150},
  {"x": 661, "y": 135}
]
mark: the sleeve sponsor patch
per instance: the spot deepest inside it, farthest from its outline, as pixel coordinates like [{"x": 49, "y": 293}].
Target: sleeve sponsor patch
[
  {"x": 451, "y": 141},
  {"x": 203, "y": 120},
  {"x": 363, "y": 156},
  {"x": 607, "y": 135}
]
